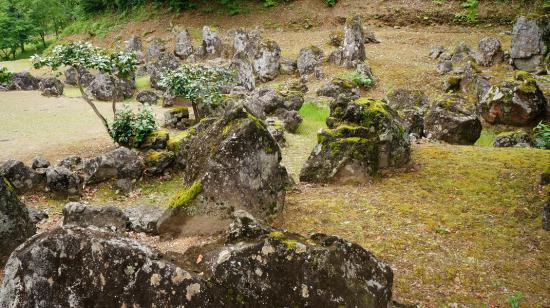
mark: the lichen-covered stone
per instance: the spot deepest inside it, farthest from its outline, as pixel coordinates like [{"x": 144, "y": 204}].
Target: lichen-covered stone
[
  {"x": 51, "y": 87},
  {"x": 162, "y": 63},
  {"x": 148, "y": 97},
  {"x": 276, "y": 129},
  {"x": 336, "y": 38},
  {"x": 513, "y": 102},
  {"x": 15, "y": 223},
  {"x": 246, "y": 41},
  {"x": 72, "y": 162},
  {"x": 24, "y": 81},
  {"x": 448, "y": 120},
  {"x": 308, "y": 59},
  {"x": 81, "y": 215},
  {"x": 353, "y": 46},
  {"x": 339, "y": 86},
  {"x": 364, "y": 136},
  {"x": 120, "y": 163},
  {"x": 155, "y": 50},
  {"x": 530, "y": 42},
  {"x": 157, "y": 161},
  {"x": 512, "y": 139},
  {"x": 40, "y": 162},
  {"x": 411, "y": 105},
  {"x": 237, "y": 162},
  {"x": 490, "y": 52},
  {"x": 103, "y": 88},
  {"x": 266, "y": 60},
  {"x": 288, "y": 66},
  {"x": 178, "y": 117},
  {"x": 145, "y": 218},
  {"x": 184, "y": 45},
  {"x": 291, "y": 120},
  {"x": 156, "y": 140},
  {"x": 22, "y": 178},
  {"x": 211, "y": 42},
  {"x": 245, "y": 71},
  {"x": 85, "y": 76},
  {"x": 63, "y": 182}
]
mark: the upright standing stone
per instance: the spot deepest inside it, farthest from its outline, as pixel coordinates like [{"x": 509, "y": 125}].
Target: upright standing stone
[
  {"x": 530, "y": 42},
  {"x": 266, "y": 61},
  {"x": 353, "y": 47},
  {"x": 211, "y": 42},
  {"x": 184, "y": 45},
  {"x": 245, "y": 71}
]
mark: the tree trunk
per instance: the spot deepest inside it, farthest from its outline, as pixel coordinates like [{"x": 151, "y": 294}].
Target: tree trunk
[
  {"x": 91, "y": 103},
  {"x": 22, "y": 47},
  {"x": 115, "y": 94},
  {"x": 196, "y": 112},
  {"x": 43, "y": 36}
]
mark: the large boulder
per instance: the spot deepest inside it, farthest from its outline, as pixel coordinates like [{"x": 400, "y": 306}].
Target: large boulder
[
  {"x": 256, "y": 266},
  {"x": 512, "y": 139},
  {"x": 516, "y": 102},
  {"x": 451, "y": 121},
  {"x": 51, "y": 87},
  {"x": 22, "y": 178},
  {"x": 288, "y": 66},
  {"x": 353, "y": 46},
  {"x": 266, "y": 60},
  {"x": 232, "y": 163},
  {"x": 104, "y": 89},
  {"x": 184, "y": 45},
  {"x": 490, "y": 52},
  {"x": 309, "y": 59},
  {"x": 242, "y": 64},
  {"x": 155, "y": 50},
  {"x": 24, "y": 81},
  {"x": 411, "y": 105},
  {"x": 120, "y": 163},
  {"x": 364, "y": 136},
  {"x": 145, "y": 218},
  {"x": 211, "y": 42},
  {"x": 63, "y": 182},
  {"x": 268, "y": 101},
  {"x": 530, "y": 42},
  {"x": 15, "y": 223},
  {"x": 246, "y": 40},
  {"x": 339, "y": 86},
  {"x": 157, "y": 161},
  {"x": 71, "y": 77},
  {"x": 81, "y": 215},
  {"x": 135, "y": 45},
  {"x": 163, "y": 62}
]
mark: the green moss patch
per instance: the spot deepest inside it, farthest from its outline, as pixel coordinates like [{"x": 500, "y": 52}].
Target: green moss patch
[
  {"x": 175, "y": 142},
  {"x": 184, "y": 197}
]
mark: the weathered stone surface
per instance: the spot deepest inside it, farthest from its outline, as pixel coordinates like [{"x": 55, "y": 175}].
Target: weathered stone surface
[
  {"x": 120, "y": 163},
  {"x": 276, "y": 129},
  {"x": 233, "y": 163},
  {"x": 145, "y": 218},
  {"x": 490, "y": 52},
  {"x": 336, "y": 38},
  {"x": 24, "y": 81},
  {"x": 157, "y": 161},
  {"x": 178, "y": 117},
  {"x": 81, "y": 215},
  {"x": 148, "y": 97},
  {"x": 21, "y": 177},
  {"x": 15, "y": 223},
  {"x": 339, "y": 86},
  {"x": 411, "y": 105},
  {"x": 63, "y": 181},
  {"x": 246, "y": 41},
  {"x": 436, "y": 51},
  {"x": 103, "y": 89},
  {"x": 155, "y": 50},
  {"x": 530, "y": 42},
  {"x": 51, "y": 87},
  {"x": 449, "y": 121},
  {"x": 291, "y": 120},
  {"x": 364, "y": 136},
  {"x": 270, "y": 102},
  {"x": 258, "y": 266},
  {"x": 135, "y": 45},
  {"x": 211, "y": 42},
  {"x": 86, "y": 77},
  {"x": 72, "y": 162},
  {"x": 245, "y": 71},
  {"x": 288, "y": 66},
  {"x": 162, "y": 63},
  {"x": 353, "y": 46},
  {"x": 512, "y": 139},
  {"x": 40, "y": 162},
  {"x": 156, "y": 140},
  {"x": 444, "y": 67},
  {"x": 37, "y": 216},
  {"x": 514, "y": 102},
  {"x": 266, "y": 60},
  {"x": 308, "y": 59},
  {"x": 184, "y": 45}
]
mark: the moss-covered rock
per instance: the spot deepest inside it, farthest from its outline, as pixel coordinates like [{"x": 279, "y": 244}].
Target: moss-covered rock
[
  {"x": 364, "y": 136},
  {"x": 183, "y": 198},
  {"x": 513, "y": 139},
  {"x": 156, "y": 140},
  {"x": 518, "y": 101},
  {"x": 157, "y": 161},
  {"x": 411, "y": 105}
]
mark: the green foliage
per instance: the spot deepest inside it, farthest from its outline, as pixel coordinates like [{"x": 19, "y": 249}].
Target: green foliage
[
  {"x": 330, "y": 3},
  {"x": 119, "y": 64},
  {"x": 130, "y": 128},
  {"x": 470, "y": 11},
  {"x": 197, "y": 83},
  {"x": 361, "y": 80},
  {"x": 542, "y": 136},
  {"x": 5, "y": 75},
  {"x": 515, "y": 299}
]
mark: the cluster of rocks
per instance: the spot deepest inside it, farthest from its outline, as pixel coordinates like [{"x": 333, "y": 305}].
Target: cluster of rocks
[
  {"x": 178, "y": 118},
  {"x": 24, "y": 81},
  {"x": 363, "y": 137},
  {"x": 513, "y": 139},
  {"x": 351, "y": 51}
]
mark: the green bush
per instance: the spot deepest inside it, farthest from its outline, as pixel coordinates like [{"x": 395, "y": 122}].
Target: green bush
[
  {"x": 5, "y": 75},
  {"x": 330, "y": 3},
  {"x": 542, "y": 136},
  {"x": 130, "y": 128},
  {"x": 361, "y": 80}
]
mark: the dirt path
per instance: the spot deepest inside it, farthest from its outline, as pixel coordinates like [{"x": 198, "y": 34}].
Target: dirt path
[{"x": 31, "y": 125}]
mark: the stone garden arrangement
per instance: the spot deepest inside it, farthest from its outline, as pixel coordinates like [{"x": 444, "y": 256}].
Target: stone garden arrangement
[{"x": 227, "y": 142}]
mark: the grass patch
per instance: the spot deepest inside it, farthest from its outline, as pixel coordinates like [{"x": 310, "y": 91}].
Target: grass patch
[
  {"x": 487, "y": 138},
  {"x": 314, "y": 116},
  {"x": 143, "y": 83}
]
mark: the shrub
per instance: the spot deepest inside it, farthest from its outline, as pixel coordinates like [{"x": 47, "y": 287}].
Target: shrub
[
  {"x": 361, "y": 80},
  {"x": 542, "y": 136},
  {"x": 330, "y": 3},
  {"x": 5, "y": 75},
  {"x": 130, "y": 128}
]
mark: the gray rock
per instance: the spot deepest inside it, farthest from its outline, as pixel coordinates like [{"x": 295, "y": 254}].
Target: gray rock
[
  {"x": 86, "y": 77},
  {"x": 40, "y": 162},
  {"x": 72, "y": 162},
  {"x": 120, "y": 163},
  {"x": 184, "y": 45},
  {"x": 211, "y": 42},
  {"x": 445, "y": 67},
  {"x": 353, "y": 46},
  {"x": 490, "y": 52},
  {"x": 157, "y": 161},
  {"x": 24, "y": 81},
  {"x": 15, "y": 223},
  {"x": 276, "y": 129},
  {"x": 103, "y": 89},
  {"x": 51, "y": 87},
  {"x": 436, "y": 51},
  {"x": 245, "y": 71},
  {"x": 411, "y": 105},
  {"x": 517, "y": 102},
  {"x": 512, "y": 139},
  {"x": 246, "y": 41},
  {"x": 145, "y": 218},
  {"x": 63, "y": 181},
  {"x": 156, "y": 140},
  {"x": 37, "y": 216},
  {"x": 530, "y": 42},
  {"x": 449, "y": 121},
  {"x": 266, "y": 60},
  {"x": 338, "y": 86},
  {"x": 22, "y": 178},
  {"x": 308, "y": 59},
  {"x": 162, "y": 63},
  {"x": 291, "y": 120},
  {"x": 178, "y": 117},
  {"x": 288, "y": 66},
  {"x": 134, "y": 44},
  {"x": 124, "y": 186},
  {"x": 155, "y": 50},
  {"x": 363, "y": 137},
  {"x": 108, "y": 217},
  {"x": 148, "y": 97}
]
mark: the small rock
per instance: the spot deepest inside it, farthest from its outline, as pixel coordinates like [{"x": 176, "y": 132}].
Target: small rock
[
  {"x": 40, "y": 162},
  {"x": 145, "y": 218},
  {"x": 107, "y": 217},
  {"x": 51, "y": 87},
  {"x": 147, "y": 97}
]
